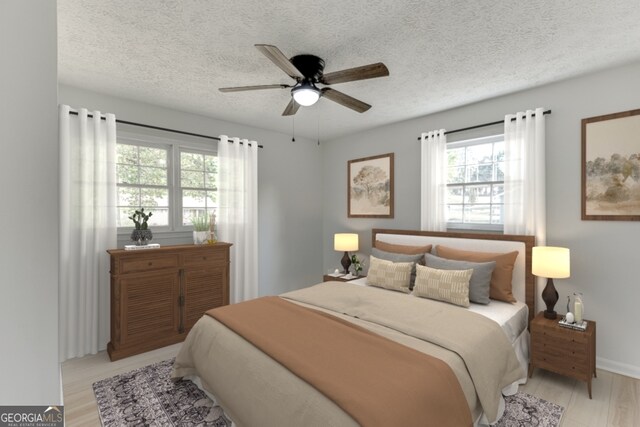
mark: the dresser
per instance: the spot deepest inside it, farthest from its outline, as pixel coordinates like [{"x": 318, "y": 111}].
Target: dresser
[{"x": 157, "y": 295}]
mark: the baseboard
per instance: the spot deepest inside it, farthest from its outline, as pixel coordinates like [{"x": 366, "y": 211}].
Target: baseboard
[{"x": 618, "y": 367}]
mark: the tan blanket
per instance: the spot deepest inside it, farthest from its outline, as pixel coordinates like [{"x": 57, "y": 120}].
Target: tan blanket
[
  {"x": 479, "y": 341},
  {"x": 375, "y": 380}
]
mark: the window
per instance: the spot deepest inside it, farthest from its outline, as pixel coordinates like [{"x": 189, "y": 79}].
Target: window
[
  {"x": 173, "y": 179},
  {"x": 475, "y": 183},
  {"x": 143, "y": 181},
  {"x": 197, "y": 184}
]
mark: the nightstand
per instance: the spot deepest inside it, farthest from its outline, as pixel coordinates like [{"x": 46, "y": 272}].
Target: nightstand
[
  {"x": 562, "y": 350},
  {"x": 328, "y": 278}
]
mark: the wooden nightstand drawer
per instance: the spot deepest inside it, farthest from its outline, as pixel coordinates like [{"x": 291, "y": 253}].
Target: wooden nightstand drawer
[
  {"x": 560, "y": 359},
  {"x": 574, "y": 352},
  {"x": 563, "y": 335}
]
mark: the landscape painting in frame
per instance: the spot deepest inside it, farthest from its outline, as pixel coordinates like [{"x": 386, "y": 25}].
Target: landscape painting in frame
[
  {"x": 611, "y": 167},
  {"x": 370, "y": 187}
]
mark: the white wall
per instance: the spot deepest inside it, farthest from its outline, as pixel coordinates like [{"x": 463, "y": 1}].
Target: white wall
[
  {"x": 604, "y": 254},
  {"x": 289, "y": 175},
  {"x": 29, "y": 175}
]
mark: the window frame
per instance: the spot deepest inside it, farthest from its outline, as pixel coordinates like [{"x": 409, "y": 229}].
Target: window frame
[
  {"x": 464, "y": 143},
  {"x": 174, "y": 147}
]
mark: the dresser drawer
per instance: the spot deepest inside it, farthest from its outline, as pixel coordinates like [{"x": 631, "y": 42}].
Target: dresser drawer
[
  {"x": 205, "y": 258},
  {"x": 148, "y": 263}
]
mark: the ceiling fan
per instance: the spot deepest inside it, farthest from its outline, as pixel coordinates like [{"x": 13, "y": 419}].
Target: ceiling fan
[{"x": 308, "y": 71}]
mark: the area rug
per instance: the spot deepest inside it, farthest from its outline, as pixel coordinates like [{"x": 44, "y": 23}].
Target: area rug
[
  {"x": 524, "y": 410},
  {"x": 148, "y": 397}
]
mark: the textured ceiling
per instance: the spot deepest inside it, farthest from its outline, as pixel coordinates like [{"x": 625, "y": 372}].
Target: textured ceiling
[{"x": 440, "y": 53}]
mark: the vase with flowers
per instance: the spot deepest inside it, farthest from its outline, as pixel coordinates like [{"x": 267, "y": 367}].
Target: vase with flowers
[{"x": 357, "y": 265}]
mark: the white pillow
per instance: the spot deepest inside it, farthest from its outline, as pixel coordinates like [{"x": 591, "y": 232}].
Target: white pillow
[
  {"x": 389, "y": 275},
  {"x": 450, "y": 286}
]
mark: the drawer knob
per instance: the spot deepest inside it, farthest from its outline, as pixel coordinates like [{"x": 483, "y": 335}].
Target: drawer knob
[
  {"x": 204, "y": 258},
  {"x": 150, "y": 263}
]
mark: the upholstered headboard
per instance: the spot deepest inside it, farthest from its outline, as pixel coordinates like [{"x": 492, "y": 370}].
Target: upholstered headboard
[{"x": 523, "y": 281}]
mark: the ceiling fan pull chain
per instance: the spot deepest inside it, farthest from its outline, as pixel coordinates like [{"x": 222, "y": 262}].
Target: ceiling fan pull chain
[
  {"x": 293, "y": 132},
  {"x": 318, "y": 123}
]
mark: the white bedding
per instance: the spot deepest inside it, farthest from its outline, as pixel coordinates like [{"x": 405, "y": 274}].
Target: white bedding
[{"x": 512, "y": 318}]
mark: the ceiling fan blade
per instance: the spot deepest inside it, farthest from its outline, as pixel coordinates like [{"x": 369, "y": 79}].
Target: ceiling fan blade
[
  {"x": 291, "y": 109},
  {"x": 278, "y": 58},
  {"x": 260, "y": 87},
  {"x": 345, "y": 100},
  {"x": 370, "y": 71}
]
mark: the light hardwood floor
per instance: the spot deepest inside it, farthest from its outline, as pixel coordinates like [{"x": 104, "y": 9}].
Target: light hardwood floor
[{"x": 615, "y": 403}]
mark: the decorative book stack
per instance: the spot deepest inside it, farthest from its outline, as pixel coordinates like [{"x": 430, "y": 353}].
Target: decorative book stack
[
  {"x": 579, "y": 326},
  {"x": 141, "y": 247}
]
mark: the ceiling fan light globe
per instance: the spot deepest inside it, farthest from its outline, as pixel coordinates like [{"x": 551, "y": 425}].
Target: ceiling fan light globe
[{"x": 305, "y": 95}]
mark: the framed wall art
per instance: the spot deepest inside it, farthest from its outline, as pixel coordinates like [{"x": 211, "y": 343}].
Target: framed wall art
[
  {"x": 611, "y": 167},
  {"x": 370, "y": 187}
]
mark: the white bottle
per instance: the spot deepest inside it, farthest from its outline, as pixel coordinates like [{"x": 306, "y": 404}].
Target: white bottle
[{"x": 578, "y": 308}]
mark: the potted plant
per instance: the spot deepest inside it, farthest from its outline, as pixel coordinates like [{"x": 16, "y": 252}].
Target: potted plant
[
  {"x": 200, "y": 229},
  {"x": 141, "y": 234}
]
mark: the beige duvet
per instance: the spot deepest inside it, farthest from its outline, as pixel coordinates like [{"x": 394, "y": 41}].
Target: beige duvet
[{"x": 254, "y": 390}]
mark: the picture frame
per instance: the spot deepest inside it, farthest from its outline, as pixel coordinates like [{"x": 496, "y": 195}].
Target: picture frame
[
  {"x": 370, "y": 187},
  {"x": 611, "y": 167}
]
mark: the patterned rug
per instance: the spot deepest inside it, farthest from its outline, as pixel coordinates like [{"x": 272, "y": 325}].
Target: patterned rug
[
  {"x": 148, "y": 397},
  {"x": 524, "y": 410}
]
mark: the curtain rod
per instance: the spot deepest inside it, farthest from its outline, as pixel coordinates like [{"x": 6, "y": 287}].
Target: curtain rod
[
  {"x": 125, "y": 122},
  {"x": 485, "y": 125}
]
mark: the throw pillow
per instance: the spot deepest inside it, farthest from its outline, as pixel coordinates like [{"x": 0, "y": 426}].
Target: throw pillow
[
  {"x": 502, "y": 273},
  {"x": 450, "y": 286},
  {"x": 389, "y": 275},
  {"x": 480, "y": 282}
]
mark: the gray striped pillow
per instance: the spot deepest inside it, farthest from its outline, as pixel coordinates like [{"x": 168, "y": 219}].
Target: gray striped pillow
[
  {"x": 450, "y": 286},
  {"x": 389, "y": 275}
]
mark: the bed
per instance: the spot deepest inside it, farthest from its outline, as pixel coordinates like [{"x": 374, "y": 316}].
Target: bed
[{"x": 256, "y": 390}]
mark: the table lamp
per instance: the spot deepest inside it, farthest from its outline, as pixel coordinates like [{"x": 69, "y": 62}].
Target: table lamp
[
  {"x": 553, "y": 263},
  {"x": 345, "y": 242}
]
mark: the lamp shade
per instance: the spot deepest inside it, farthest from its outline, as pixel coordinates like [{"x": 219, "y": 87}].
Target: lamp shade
[
  {"x": 306, "y": 94},
  {"x": 346, "y": 242},
  {"x": 551, "y": 262}
]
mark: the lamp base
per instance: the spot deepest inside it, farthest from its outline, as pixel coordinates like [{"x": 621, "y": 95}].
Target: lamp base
[
  {"x": 550, "y": 298},
  {"x": 346, "y": 262}
]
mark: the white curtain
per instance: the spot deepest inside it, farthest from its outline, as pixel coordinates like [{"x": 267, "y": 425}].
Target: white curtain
[
  {"x": 87, "y": 229},
  {"x": 238, "y": 212},
  {"x": 433, "y": 181},
  {"x": 524, "y": 174}
]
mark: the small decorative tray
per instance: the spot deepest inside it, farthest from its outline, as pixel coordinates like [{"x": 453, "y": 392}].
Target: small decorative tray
[{"x": 578, "y": 326}]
